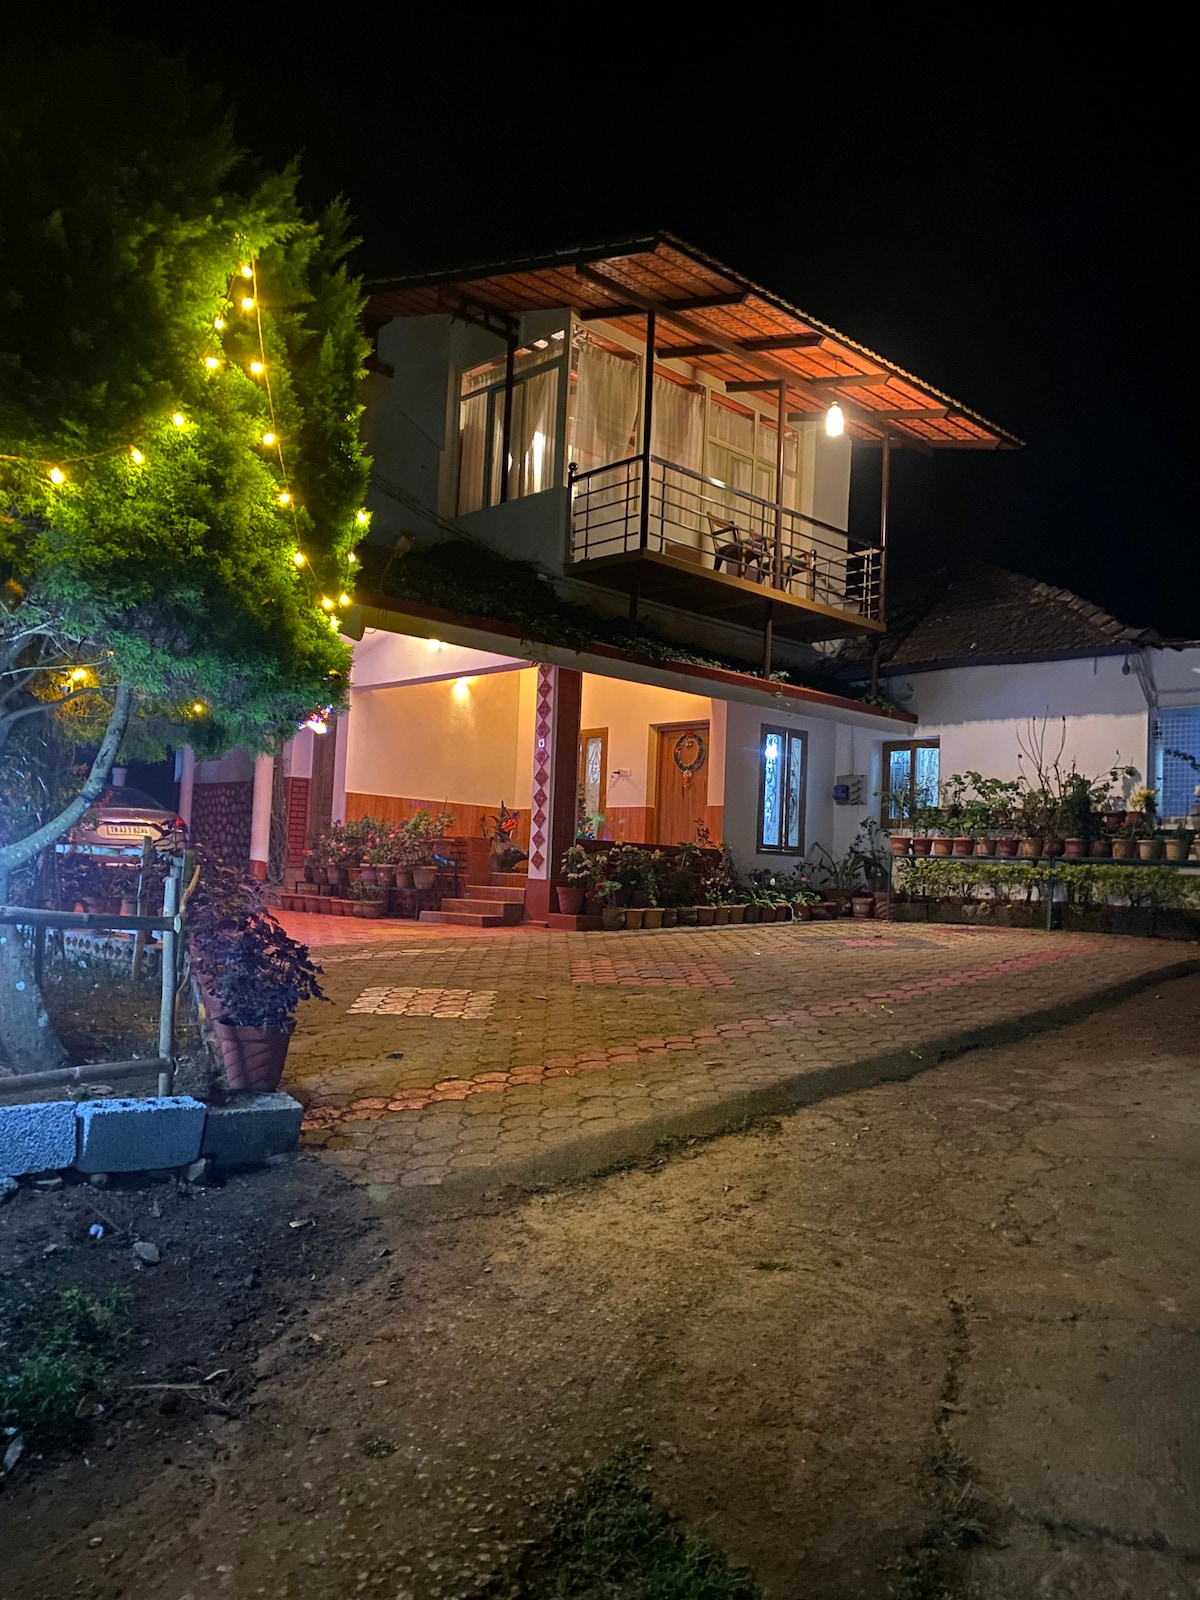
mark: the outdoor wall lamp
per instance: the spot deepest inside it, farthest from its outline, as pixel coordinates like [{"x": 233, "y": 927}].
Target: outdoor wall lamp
[{"x": 835, "y": 422}]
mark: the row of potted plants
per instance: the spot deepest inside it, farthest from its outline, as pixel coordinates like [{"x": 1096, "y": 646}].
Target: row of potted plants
[
  {"x": 1066, "y": 814},
  {"x": 376, "y": 852}
]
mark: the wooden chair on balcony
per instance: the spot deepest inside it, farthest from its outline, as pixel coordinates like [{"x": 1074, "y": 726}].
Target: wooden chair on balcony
[{"x": 738, "y": 550}]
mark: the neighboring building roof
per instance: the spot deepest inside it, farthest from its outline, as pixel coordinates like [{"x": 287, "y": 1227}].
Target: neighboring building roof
[
  {"x": 714, "y": 319},
  {"x": 981, "y": 614}
]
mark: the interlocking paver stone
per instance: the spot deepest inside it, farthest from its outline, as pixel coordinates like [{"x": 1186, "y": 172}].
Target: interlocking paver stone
[{"x": 571, "y": 1051}]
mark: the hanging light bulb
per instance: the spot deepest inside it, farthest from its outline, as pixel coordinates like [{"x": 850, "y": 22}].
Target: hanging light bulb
[
  {"x": 343, "y": 599},
  {"x": 198, "y": 707},
  {"x": 335, "y": 623},
  {"x": 352, "y": 559},
  {"x": 218, "y": 323},
  {"x": 135, "y": 455},
  {"x": 268, "y": 438},
  {"x": 57, "y": 475},
  {"x": 212, "y": 363},
  {"x": 247, "y": 270},
  {"x": 327, "y": 602},
  {"x": 79, "y": 675},
  {"x": 256, "y": 368},
  {"x": 178, "y": 418},
  {"x": 835, "y": 422},
  {"x": 247, "y": 302},
  {"x": 285, "y": 498},
  {"x": 362, "y": 518},
  {"x": 298, "y": 557}
]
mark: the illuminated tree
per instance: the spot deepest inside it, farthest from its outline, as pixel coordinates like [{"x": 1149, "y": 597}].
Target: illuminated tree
[{"x": 181, "y": 478}]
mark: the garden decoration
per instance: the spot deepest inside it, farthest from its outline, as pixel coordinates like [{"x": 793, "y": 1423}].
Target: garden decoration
[{"x": 499, "y": 829}]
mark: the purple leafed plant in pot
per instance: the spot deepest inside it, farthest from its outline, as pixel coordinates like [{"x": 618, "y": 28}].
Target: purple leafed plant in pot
[{"x": 254, "y": 977}]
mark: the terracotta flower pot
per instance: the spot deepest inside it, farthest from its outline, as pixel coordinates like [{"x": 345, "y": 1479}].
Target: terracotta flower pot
[
  {"x": 1112, "y": 819},
  {"x": 570, "y": 899},
  {"x": 705, "y": 916},
  {"x": 1150, "y": 849},
  {"x": 368, "y": 908},
  {"x": 404, "y": 878},
  {"x": 1074, "y": 848},
  {"x": 921, "y": 844},
  {"x": 652, "y": 917},
  {"x": 942, "y": 846},
  {"x": 863, "y": 905},
  {"x": 424, "y": 877},
  {"x": 900, "y": 844},
  {"x": 1124, "y": 849},
  {"x": 781, "y": 912},
  {"x": 1031, "y": 849},
  {"x": 1177, "y": 849},
  {"x": 633, "y": 916},
  {"x": 612, "y": 918},
  {"x": 670, "y": 918},
  {"x": 335, "y": 876},
  {"x": 320, "y": 875},
  {"x": 984, "y": 847},
  {"x": 801, "y": 913},
  {"x": 312, "y": 904},
  {"x": 963, "y": 847},
  {"x": 369, "y": 874},
  {"x": 1007, "y": 848},
  {"x": 253, "y": 1058},
  {"x": 1101, "y": 848},
  {"x": 386, "y": 876}
]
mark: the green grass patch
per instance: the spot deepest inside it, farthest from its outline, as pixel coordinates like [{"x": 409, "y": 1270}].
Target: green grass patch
[
  {"x": 54, "y": 1349},
  {"x": 611, "y": 1541}
]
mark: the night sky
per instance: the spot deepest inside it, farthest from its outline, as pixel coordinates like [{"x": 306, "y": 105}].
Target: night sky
[{"x": 1003, "y": 214}]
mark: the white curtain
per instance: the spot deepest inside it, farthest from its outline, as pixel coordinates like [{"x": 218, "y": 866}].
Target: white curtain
[
  {"x": 472, "y": 452},
  {"x": 604, "y": 426},
  {"x": 679, "y": 438},
  {"x": 535, "y": 407}
]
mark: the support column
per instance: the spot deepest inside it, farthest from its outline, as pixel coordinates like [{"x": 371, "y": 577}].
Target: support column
[
  {"x": 555, "y": 783},
  {"x": 185, "y": 772},
  {"x": 260, "y": 815},
  {"x": 340, "y": 733}
]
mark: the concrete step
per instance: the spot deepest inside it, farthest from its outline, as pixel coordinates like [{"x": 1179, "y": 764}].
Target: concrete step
[
  {"x": 509, "y": 880},
  {"x": 505, "y": 910},
  {"x": 491, "y": 891},
  {"x": 465, "y": 919}
]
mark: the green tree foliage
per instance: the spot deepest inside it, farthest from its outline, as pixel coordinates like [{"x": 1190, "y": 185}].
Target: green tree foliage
[{"x": 180, "y": 472}]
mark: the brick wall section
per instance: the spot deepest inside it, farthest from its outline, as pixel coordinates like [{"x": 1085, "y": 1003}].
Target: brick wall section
[
  {"x": 221, "y": 820},
  {"x": 297, "y": 820}
]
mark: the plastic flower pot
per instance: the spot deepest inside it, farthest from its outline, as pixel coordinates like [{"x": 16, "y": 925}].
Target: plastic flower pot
[
  {"x": 369, "y": 874},
  {"x": 612, "y": 918},
  {"x": 386, "y": 876},
  {"x": 424, "y": 877},
  {"x": 721, "y": 916},
  {"x": 1101, "y": 848},
  {"x": 1177, "y": 849},
  {"x": 253, "y": 1058},
  {"x": 756, "y": 914},
  {"x": 570, "y": 899},
  {"x": 670, "y": 917},
  {"x": 901, "y": 844},
  {"x": 1124, "y": 849},
  {"x": 984, "y": 847},
  {"x": 705, "y": 916},
  {"x": 652, "y": 917},
  {"x": 1007, "y": 848},
  {"x": 942, "y": 845},
  {"x": 738, "y": 913},
  {"x": 323, "y": 905},
  {"x": 963, "y": 847},
  {"x": 633, "y": 916},
  {"x": 1150, "y": 849},
  {"x": 1074, "y": 848},
  {"x": 404, "y": 878},
  {"x": 335, "y": 876},
  {"x": 921, "y": 844},
  {"x": 368, "y": 908},
  {"x": 862, "y": 905},
  {"x": 801, "y": 913},
  {"x": 1031, "y": 849},
  {"x": 319, "y": 875}
]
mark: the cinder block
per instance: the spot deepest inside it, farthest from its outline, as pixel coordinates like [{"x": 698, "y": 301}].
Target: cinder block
[
  {"x": 139, "y": 1135},
  {"x": 37, "y": 1138},
  {"x": 260, "y": 1126}
]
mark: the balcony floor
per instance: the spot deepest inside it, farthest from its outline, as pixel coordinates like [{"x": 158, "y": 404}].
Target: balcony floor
[{"x": 675, "y": 580}]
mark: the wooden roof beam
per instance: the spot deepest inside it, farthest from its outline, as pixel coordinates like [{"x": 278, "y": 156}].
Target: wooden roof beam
[
  {"x": 774, "y": 341},
  {"x": 763, "y": 362},
  {"x": 850, "y": 380},
  {"x": 685, "y": 352}
]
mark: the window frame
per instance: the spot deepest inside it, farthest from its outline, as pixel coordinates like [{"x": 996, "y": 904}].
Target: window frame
[
  {"x": 912, "y": 746},
  {"x": 792, "y": 738}
]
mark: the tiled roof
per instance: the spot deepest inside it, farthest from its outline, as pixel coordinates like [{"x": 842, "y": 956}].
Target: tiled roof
[{"x": 982, "y": 613}]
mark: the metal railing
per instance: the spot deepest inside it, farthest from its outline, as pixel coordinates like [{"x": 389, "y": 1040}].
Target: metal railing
[{"x": 723, "y": 529}]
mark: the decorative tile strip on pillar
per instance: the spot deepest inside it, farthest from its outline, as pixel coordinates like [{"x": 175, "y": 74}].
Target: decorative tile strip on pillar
[{"x": 543, "y": 758}]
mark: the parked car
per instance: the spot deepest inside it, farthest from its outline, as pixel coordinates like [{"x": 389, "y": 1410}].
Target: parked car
[{"x": 124, "y": 816}]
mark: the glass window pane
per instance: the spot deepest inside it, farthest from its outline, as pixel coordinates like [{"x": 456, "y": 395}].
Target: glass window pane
[
  {"x": 927, "y": 776},
  {"x": 795, "y": 781},
  {"x": 773, "y": 781},
  {"x": 472, "y": 442}
]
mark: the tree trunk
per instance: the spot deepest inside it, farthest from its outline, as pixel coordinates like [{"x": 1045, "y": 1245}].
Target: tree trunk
[{"x": 28, "y": 1042}]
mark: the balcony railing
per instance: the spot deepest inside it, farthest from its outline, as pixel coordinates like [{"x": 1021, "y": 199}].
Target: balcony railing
[{"x": 710, "y": 525}]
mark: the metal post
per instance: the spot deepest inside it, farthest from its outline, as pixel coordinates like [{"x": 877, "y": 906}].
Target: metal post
[
  {"x": 781, "y": 424},
  {"x": 768, "y": 638},
  {"x": 1050, "y": 897},
  {"x": 166, "y": 1010},
  {"x": 510, "y": 364},
  {"x": 885, "y": 479},
  {"x": 139, "y": 938},
  {"x": 647, "y": 430}
]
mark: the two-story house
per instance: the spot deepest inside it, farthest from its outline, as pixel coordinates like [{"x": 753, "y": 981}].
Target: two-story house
[{"x": 672, "y": 446}]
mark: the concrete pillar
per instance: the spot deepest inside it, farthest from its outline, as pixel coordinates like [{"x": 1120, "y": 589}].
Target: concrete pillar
[
  {"x": 260, "y": 815},
  {"x": 555, "y": 783},
  {"x": 185, "y": 776}
]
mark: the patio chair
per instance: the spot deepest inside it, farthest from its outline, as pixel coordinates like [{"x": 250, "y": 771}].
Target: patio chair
[{"x": 738, "y": 550}]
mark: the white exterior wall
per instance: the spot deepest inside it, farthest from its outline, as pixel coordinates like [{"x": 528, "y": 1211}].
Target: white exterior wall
[{"x": 979, "y": 713}]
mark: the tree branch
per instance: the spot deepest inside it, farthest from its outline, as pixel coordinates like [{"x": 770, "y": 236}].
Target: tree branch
[{"x": 22, "y": 850}]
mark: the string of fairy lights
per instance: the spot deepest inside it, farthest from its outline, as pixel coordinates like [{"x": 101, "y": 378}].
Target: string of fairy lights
[{"x": 243, "y": 293}]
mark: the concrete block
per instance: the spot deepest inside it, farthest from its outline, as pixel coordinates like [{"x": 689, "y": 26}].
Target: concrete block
[
  {"x": 38, "y": 1137},
  {"x": 259, "y": 1126},
  {"x": 139, "y": 1135}
]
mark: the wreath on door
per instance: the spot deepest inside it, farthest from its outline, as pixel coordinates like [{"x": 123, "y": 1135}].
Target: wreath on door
[{"x": 689, "y": 754}]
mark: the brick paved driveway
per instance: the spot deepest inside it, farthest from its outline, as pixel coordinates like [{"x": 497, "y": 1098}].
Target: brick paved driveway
[{"x": 530, "y": 1054}]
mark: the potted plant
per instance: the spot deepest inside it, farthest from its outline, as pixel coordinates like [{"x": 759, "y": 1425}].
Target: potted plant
[
  {"x": 580, "y": 876},
  {"x": 1177, "y": 843},
  {"x": 898, "y": 811},
  {"x": 379, "y": 857},
  {"x": 926, "y": 819},
  {"x": 253, "y": 977},
  {"x": 369, "y": 898},
  {"x": 604, "y": 894}
]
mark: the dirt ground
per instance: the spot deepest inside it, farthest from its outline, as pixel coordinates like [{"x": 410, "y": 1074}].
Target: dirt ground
[{"x": 931, "y": 1338}]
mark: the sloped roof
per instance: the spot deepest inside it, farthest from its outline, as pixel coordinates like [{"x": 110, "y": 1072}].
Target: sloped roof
[
  {"x": 714, "y": 319},
  {"x": 985, "y": 614}
]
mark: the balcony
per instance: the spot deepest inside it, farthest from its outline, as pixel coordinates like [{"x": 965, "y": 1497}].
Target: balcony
[{"x": 704, "y": 546}]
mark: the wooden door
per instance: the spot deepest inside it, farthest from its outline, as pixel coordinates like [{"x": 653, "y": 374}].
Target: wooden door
[{"x": 681, "y": 790}]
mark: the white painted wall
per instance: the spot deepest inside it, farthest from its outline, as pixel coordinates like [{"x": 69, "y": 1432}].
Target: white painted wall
[
  {"x": 977, "y": 713},
  {"x": 393, "y": 658},
  {"x": 235, "y": 766},
  {"x": 628, "y": 711}
]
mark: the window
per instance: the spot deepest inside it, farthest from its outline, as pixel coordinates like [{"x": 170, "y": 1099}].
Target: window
[
  {"x": 531, "y": 460},
  {"x": 1176, "y": 750},
  {"x": 910, "y": 779},
  {"x": 783, "y": 754}
]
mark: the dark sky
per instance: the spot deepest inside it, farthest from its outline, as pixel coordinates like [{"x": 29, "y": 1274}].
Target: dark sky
[{"x": 1003, "y": 212}]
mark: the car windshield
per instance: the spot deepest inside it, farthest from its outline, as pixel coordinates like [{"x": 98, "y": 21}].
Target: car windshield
[{"x": 120, "y": 798}]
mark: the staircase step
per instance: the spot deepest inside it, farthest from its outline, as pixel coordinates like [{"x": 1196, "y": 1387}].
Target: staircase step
[
  {"x": 510, "y": 880},
  {"x": 465, "y": 919},
  {"x": 505, "y": 910},
  {"x": 491, "y": 891}
]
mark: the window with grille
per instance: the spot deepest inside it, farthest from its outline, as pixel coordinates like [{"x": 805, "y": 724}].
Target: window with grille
[
  {"x": 910, "y": 779},
  {"x": 782, "y": 764},
  {"x": 1176, "y": 748}
]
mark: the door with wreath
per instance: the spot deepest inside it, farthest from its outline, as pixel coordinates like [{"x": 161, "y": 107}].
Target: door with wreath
[{"x": 681, "y": 790}]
